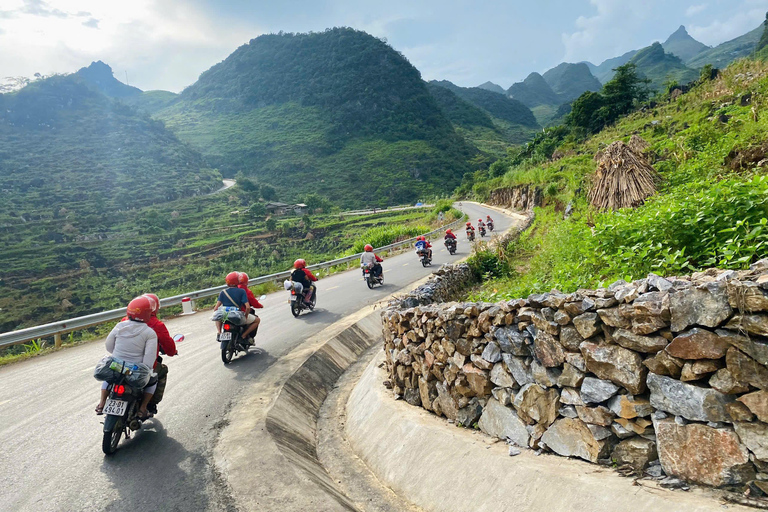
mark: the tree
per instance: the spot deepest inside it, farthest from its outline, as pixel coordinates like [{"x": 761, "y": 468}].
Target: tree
[
  {"x": 624, "y": 91},
  {"x": 271, "y": 224},
  {"x": 268, "y": 192},
  {"x": 316, "y": 202},
  {"x": 584, "y": 112}
]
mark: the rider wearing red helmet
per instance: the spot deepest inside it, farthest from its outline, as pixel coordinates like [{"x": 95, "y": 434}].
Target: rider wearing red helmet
[
  {"x": 423, "y": 243},
  {"x": 235, "y": 297},
  {"x": 134, "y": 342},
  {"x": 480, "y": 223},
  {"x": 372, "y": 260},
  {"x": 165, "y": 345},
  {"x": 489, "y": 222},
  {"x": 303, "y": 275},
  {"x": 449, "y": 234},
  {"x": 252, "y": 302}
]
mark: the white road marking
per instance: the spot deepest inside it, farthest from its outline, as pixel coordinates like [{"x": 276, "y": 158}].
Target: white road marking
[
  {"x": 405, "y": 264},
  {"x": 5, "y": 402},
  {"x": 332, "y": 288}
]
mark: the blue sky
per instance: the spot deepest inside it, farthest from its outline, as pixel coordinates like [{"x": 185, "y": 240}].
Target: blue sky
[{"x": 166, "y": 44}]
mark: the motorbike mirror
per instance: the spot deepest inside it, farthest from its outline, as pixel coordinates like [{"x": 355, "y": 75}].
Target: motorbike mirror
[
  {"x": 178, "y": 338},
  {"x": 262, "y": 297}
]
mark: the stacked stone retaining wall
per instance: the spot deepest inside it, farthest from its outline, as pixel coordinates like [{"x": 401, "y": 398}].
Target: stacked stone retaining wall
[
  {"x": 659, "y": 376},
  {"x": 522, "y": 198}
]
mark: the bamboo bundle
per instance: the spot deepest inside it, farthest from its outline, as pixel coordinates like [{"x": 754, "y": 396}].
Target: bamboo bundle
[
  {"x": 639, "y": 145},
  {"x": 623, "y": 179}
]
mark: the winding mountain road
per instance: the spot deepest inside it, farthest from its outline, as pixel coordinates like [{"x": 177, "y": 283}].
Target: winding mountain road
[{"x": 50, "y": 452}]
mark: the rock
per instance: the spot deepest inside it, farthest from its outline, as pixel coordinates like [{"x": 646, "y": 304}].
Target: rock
[
  {"x": 599, "y": 415},
  {"x": 534, "y": 404},
  {"x": 481, "y": 363},
  {"x": 626, "y": 293},
  {"x": 650, "y": 312},
  {"x": 605, "y": 303},
  {"x": 503, "y": 423},
  {"x": 659, "y": 283},
  {"x": 739, "y": 412},
  {"x": 757, "y": 403},
  {"x": 512, "y": 341},
  {"x": 519, "y": 370},
  {"x": 745, "y": 369},
  {"x": 632, "y": 341},
  {"x": 492, "y": 353},
  {"x": 621, "y": 432},
  {"x": 639, "y": 426},
  {"x": 698, "y": 343},
  {"x": 568, "y": 411},
  {"x": 572, "y": 438},
  {"x": 505, "y": 396},
  {"x": 469, "y": 414},
  {"x": 664, "y": 364},
  {"x": 448, "y": 405},
  {"x": 755, "y": 437},
  {"x": 544, "y": 376},
  {"x": 594, "y": 391},
  {"x": 500, "y": 376},
  {"x": 612, "y": 318},
  {"x": 561, "y": 318},
  {"x": 703, "y": 455},
  {"x": 705, "y": 305},
  {"x": 427, "y": 392},
  {"x": 412, "y": 396},
  {"x": 617, "y": 364},
  {"x": 655, "y": 471},
  {"x": 691, "y": 402},
  {"x": 748, "y": 297},
  {"x": 514, "y": 451},
  {"x": 587, "y": 324},
  {"x": 571, "y": 396},
  {"x": 548, "y": 350},
  {"x": 478, "y": 380},
  {"x": 579, "y": 307},
  {"x": 628, "y": 406},
  {"x": 696, "y": 370},
  {"x": 545, "y": 324},
  {"x": 756, "y": 348},
  {"x": 637, "y": 452},
  {"x": 571, "y": 377},
  {"x": 576, "y": 360},
  {"x": 570, "y": 338},
  {"x": 599, "y": 432},
  {"x": 648, "y": 324}
]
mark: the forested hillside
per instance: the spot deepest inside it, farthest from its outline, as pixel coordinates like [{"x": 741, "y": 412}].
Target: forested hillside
[{"x": 338, "y": 112}]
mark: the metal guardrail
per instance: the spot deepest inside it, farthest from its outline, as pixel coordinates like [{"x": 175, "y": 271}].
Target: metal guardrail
[{"x": 56, "y": 329}]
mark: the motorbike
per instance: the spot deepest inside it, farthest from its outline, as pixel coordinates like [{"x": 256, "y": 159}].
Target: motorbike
[
  {"x": 297, "y": 298},
  {"x": 370, "y": 279},
  {"x": 121, "y": 409},
  {"x": 482, "y": 231},
  {"x": 450, "y": 244},
  {"x": 424, "y": 256},
  {"x": 231, "y": 338},
  {"x": 471, "y": 235},
  {"x": 490, "y": 225}
]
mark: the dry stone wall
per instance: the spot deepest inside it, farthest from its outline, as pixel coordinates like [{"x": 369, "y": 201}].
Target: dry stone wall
[
  {"x": 662, "y": 376},
  {"x": 522, "y": 198}
]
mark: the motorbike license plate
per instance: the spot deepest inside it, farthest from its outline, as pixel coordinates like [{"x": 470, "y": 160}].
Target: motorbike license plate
[
  {"x": 225, "y": 336},
  {"x": 115, "y": 407},
  {"x": 293, "y": 298}
]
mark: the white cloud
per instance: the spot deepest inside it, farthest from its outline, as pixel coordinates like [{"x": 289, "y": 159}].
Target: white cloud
[
  {"x": 746, "y": 17},
  {"x": 695, "y": 9}
]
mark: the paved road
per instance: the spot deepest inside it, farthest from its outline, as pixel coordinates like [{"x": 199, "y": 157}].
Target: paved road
[{"x": 50, "y": 453}]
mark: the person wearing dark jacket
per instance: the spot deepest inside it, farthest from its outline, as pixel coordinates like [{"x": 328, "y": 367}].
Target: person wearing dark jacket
[{"x": 303, "y": 275}]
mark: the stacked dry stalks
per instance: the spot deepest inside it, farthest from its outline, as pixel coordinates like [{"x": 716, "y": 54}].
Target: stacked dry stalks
[{"x": 624, "y": 179}]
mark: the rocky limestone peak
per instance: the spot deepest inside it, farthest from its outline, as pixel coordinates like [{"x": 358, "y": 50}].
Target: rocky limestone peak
[{"x": 679, "y": 35}]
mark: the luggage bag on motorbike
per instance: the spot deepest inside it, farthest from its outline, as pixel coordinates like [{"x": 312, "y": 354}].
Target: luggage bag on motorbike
[
  {"x": 229, "y": 314},
  {"x": 113, "y": 370}
]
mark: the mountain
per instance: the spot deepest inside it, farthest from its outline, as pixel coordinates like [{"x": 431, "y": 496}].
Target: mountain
[
  {"x": 490, "y": 86},
  {"x": 64, "y": 146},
  {"x": 151, "y": 101},
  {"x": 460, "y": 112},
  {"x": 604, "y": 71},
  {"x": 337, "y": 112},
  {"x": 100, "y": 76},
  {"x": 723, "y": 54},
  {"x": 681, "y": 44},
  {"x": 498, "y": 106},
  {"x": 569, "y": 81},
  {"x": 658, "y": 66},
  {"x": 534, "y": 91}
]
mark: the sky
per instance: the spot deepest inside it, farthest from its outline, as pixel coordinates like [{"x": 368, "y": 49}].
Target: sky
[{"x": 166, "y": 44}]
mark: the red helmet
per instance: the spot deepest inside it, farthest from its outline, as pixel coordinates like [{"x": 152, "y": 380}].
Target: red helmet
[
  {"x": 154, "y": 302},
  {"x": 368, "y": 248},
  {"x": 243, "y": 278},
  {"x": 448, "y": 232},
  {"x": 232, "y": 279},
  {"x": 300, "y": 263},
  {"x": 421, "y": 238},
  {"x": 479, "y": 220},
  {"x": 140, "y": 309},
  {"x": 487, "y": 216},
  {"x": 469, "y": 223}
]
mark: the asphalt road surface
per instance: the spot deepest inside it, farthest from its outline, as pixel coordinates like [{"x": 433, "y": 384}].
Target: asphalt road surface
[{"x": 50, "y": 438}]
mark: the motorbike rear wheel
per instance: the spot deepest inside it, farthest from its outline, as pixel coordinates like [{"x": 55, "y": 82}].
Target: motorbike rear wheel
[
  {"x": 369, "y": 281},
  {"x": 296, "y": 307},
  {"x": 312, "y": 301},
  {"x": 112, "y": 435},
  {"x": 228, "y": 352}
]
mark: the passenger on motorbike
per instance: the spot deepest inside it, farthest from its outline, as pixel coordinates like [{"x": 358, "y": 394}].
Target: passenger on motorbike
[
  {"x": 234, "y": 297},
  {"x": 480, "y": 224},
  {"x": 372, "y": 260},
  {"x": 303, "y": 275},
  {"x": 165, "y": 345},
  {"x": 449, "y": 234},
  {"x": 470, "y": 230},
  {"x": 423, "y": 244},
  {"x": 252, "y": 302},
  {"x": 134, "y": 342}
]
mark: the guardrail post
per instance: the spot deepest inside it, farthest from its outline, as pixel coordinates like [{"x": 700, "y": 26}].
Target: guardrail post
[{"x": 57, "y": 340}]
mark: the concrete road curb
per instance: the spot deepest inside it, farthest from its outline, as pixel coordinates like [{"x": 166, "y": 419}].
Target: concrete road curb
[{"x": 443, "y": 468}]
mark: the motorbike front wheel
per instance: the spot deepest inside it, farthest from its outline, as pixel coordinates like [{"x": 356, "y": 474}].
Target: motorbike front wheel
[{"x": 113, "y": 431}]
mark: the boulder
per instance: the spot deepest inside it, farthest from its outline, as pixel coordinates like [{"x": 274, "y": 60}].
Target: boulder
[
  {"x": 562, "y": 318},
  {"x": 705, "y": 305},
  {"x": 478, "y": 380},
  {"x": 571, "y": 437},
  {"x": 739, "y": 412},
  {"x": 617, "y": 364},
  {"x": 686, "y": 400},
  {"x": 612, "y": 318},
  {"x": 568, "y": 411},
  {"x": 505, "y": 396},
  {"x": 571, "y": 377},
  {"x": 621, "y": 432},
  {"x": 636, "y": 452},
  {"x": 747, "y": 296},
  {"x": 599, "y": 415},
  {"x": 512, "y": 341},
  {"x": 570, "y": 338},
  {"x": 413, "y": 396},
  {"x": 571, "y": 396},
  {"x": 664, "y": 364},
  {"x": 757, "y": 403},
  {"x": 492, "y": 353},
  {"x": 628, "y": 406},
  {"x": 755, "y": 437},
  {"x": 501, "y": 377},
  {"x": 576, "y": 360},
  {"x": 701, "y": 454},
  {"x": 534, "y": 404},
  {"x": 754, "y": 347},
  {"x": 696, "y": 370},
  {"x": 659, "y": 283},
  {"x": 427, "y": 392},
  {"x": 745, "y": 369},
  {"x": 546, "y": 377},
  {"x": 502, "y": 422},
  {"x": 519, "y": 370},
  {"x": 594, "y": 391},
  {"x": 587, "y": 324},
  {"x": 698, "y": 343},
  {"x": 548, "y": 350},
  {"x": 632, "y": 341},
  {"x": 448, "y": 405},
  {"x": 470, "y": 413}
]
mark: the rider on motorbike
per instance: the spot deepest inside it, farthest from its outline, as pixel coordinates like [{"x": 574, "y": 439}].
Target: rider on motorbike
[
  {"x": 235, "y": 297},
  {"x": 372, "y": 260},
  {"x": 480, "y": 224},
  {"x": 423, "y": 244},
  {"x": 489, "y": 222},
  {"x": 166, "y": 345},
  {"x": 449, "y": 234},
  {"x": 470, "y": 230},
  {"x": 134, "y": 342},
  {"x": 303, "y": 275},
  {"x": 252, "y": 302}
]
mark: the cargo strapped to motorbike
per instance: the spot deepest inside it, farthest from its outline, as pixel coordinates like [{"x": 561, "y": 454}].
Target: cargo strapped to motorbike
[
  {"x": 114, "y": 370},
  {"x": 231, "y": 314}
]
